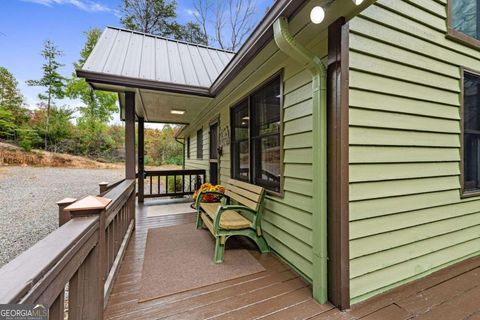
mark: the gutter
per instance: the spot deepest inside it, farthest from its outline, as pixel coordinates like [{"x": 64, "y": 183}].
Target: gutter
[{"x": 287, "y": 44}]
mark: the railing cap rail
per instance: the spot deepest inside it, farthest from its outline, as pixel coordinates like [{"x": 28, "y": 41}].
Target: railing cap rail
[{"x": 19, "y": 275}]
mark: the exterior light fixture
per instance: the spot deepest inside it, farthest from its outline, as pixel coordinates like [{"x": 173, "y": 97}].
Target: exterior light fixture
[
  {"x": 176, "y": 111},
  {"x": 318, "y": 14},
  {"x": 357, "y": 2}
]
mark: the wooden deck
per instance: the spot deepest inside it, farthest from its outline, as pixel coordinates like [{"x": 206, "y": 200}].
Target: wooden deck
[{"x": 278, "y": 293}]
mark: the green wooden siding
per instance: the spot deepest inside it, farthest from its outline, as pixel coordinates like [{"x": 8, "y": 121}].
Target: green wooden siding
[
  {"x": 287, "y": 220},
  {"x": 407, "y": 217}
]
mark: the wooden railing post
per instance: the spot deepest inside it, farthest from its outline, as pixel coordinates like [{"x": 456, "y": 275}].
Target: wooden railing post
[
  {"x": 103, "y": 186},
  {"x": 63, "y": 215},
  {"x": 86, "y": 291}
]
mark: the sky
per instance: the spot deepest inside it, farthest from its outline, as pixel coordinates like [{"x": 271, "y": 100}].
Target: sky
[{"x": 26, "y": 24}]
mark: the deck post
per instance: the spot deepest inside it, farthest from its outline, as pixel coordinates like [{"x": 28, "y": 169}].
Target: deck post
[
  {"x": 130, "y": 172},
  {"x": 141, "y": 164},
  {"x": 63, "y": 215},
  {"x": 87, "y": 291}
]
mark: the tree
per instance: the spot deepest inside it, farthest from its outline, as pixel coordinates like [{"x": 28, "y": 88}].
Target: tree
[
  {"x": 11, "y": 100},
  {"x": 150, "y": 16},
  {"x": 230, "y": 21},
  {"x": 192, "y": 32},
  {"x": 98, "y": 105},
  {"x": 51, "y": 80}
]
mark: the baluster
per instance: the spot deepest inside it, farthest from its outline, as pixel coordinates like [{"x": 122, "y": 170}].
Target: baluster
[
  {"x": 57, "y": 309},
  {"x": 183, "y": 184},
  {"x": 158, "y": 182},
  {"x": 151, "y": 185},
  {"x": 166, "y": 184}
]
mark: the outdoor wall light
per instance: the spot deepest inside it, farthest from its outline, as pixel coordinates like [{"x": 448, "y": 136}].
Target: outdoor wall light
[
  {"x": 317, "y": 15},
  {"x": 176, "y": 111},
  {"x": 357, "y": 2}
]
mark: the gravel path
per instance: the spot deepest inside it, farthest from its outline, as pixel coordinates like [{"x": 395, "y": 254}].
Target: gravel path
[{"x": 28, "y": 196}]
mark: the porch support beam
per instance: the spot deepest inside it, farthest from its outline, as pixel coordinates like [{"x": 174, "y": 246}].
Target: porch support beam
[
  {"x": 141, "y": 154},
  {"x": 130, "y": 172}
]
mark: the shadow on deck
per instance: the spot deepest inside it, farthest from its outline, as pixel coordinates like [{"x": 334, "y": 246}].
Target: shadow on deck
[{"x": 279, "y": 293}]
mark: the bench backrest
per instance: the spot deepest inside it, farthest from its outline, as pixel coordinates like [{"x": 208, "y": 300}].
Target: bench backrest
[{"x": 244, "y": 193}]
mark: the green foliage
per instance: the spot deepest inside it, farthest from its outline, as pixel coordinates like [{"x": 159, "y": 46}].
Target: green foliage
[
  {"x": 158, "y": 17},
  {"x": 7, "y": 123},
  {"x": 192, "y": 32},
  {"x": 29, "y": 138},
  {"x": 51, "y": 80},
  {"x": 150, "y": 16}
]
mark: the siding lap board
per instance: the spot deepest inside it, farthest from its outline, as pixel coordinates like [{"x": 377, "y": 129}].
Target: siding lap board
[{"x": 406, "y": 215}]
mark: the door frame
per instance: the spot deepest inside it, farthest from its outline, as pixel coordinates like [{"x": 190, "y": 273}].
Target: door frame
[{"x": 214, "y": 121}]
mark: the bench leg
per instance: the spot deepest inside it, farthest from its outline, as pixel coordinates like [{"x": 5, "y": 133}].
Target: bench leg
[
  {"x": 199, "y": 221},
  {"x": 219, "y": 250},
  {"x": 262, "y": 244}
]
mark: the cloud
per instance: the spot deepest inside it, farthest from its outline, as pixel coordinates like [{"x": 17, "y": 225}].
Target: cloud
[
  {"x": 192, "y": 12},
  {"x": 85, "y": 5}
]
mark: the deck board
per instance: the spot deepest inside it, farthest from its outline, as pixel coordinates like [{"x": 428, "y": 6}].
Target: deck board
[{"x": 279, "y": 293}]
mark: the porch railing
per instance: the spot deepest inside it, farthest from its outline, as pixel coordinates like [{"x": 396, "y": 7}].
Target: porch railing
[
  {"x": 172, "y": 183},
  {"x": 82, "y": 256}
]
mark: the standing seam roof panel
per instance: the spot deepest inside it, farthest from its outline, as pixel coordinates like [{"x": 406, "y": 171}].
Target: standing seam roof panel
[
  {"x": 201, "y": 70},
  {"x": 99, "y": 56},
  {"x": 176, "y": 67},
  {"x": 147, "y": 65},
  {"x": 118, "y": 54},
  {"x": 207, "y": 60},
  {"x": 188, "y": 68},
  {"x": 134, "y": 56},
  {"x": 216, "y": 60},
  {"x": 162, "y": 70}
]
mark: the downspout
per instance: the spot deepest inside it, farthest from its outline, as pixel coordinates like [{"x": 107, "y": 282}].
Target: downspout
[
  {"x": 183, "y": 153},
  {"x": 287, "y": 44}
]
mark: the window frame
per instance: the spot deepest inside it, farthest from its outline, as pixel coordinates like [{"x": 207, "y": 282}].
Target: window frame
[
  {"x": 464, "y": 193},
  {"x": 188, "y": 147},
  {"x": 247, "y": 97},
  {"x": 200, "y": 144},
  {"x": 456, "y": 35}
]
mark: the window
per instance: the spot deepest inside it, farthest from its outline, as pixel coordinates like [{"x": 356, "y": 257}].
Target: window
[
  {"x": 464, "y": 19},
  {"x": 256, "y": 148},
  {"x": 200, "y": 144},
  {"x": 188, "y": 148},
  {"x": 471, "y": 132}
]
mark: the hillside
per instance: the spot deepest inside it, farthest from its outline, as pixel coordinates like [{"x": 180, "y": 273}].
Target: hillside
[{"x": 14, "y": 156}]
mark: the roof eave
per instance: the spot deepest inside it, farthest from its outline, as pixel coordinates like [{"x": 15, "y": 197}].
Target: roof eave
[{"x": 136, "y": 83}]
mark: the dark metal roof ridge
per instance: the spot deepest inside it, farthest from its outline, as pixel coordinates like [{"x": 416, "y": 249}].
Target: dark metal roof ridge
[
  {"x": 172, "y": 40},
  {"x": 256, "y": 41},
  {"x": 118, "y": 80}
]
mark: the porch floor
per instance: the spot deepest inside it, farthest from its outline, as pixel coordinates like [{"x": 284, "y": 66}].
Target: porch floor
[{"x": 279, "y": 293}]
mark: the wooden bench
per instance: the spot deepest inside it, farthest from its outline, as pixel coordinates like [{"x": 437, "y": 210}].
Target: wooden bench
[{"x": 238, "y": 213}]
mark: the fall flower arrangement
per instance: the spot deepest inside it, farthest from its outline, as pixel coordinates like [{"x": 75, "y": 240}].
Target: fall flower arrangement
[{"x": 209, "y": 197}]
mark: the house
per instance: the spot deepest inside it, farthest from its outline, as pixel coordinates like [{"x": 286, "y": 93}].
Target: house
[{"x": 363, "y": 128}]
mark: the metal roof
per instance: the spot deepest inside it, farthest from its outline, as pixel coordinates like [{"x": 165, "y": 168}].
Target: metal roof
[{"x": 131, "y": 54}]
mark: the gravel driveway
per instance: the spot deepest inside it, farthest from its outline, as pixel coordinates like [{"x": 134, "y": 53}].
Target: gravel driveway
[{"x": 28, "y": 196}]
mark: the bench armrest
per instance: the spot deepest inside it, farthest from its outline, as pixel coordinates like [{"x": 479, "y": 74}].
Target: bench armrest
[
  {"x": 201, "y": 194},
  {"x": 222, "y": 209},
  {"x": 237, "y": 207}
]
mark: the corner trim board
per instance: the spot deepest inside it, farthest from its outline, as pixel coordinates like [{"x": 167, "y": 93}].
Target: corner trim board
[{"x": 338, "y": 164}]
